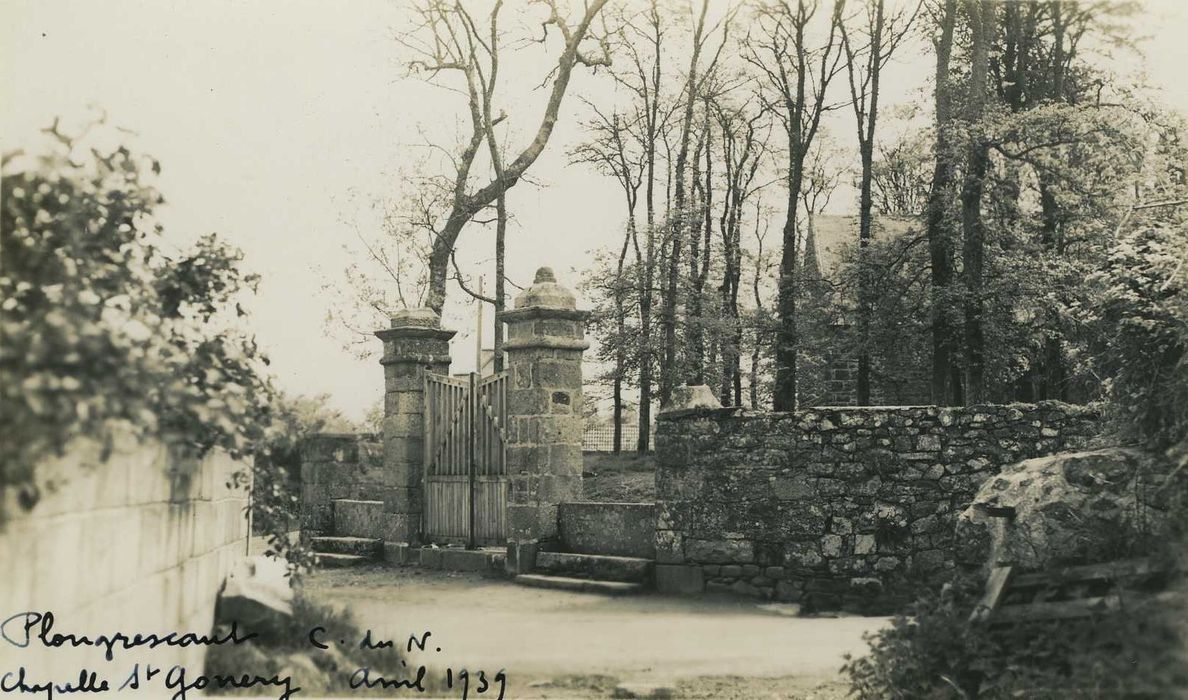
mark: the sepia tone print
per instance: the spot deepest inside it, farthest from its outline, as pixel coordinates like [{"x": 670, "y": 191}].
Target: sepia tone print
[{"x": 594, "y": 349}]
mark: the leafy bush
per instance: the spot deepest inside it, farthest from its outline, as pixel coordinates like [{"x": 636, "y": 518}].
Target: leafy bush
[
  {"x": 103, "y": 331},
  {"x": 1143, "y": 316},
  {"x": 935, "y": 652}
]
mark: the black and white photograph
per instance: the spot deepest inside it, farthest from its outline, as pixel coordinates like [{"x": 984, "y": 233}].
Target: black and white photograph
[{"x": 486, "y": 349}]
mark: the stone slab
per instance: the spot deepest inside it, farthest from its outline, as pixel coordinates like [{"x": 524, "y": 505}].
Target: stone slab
[{"x": 618, "y": 529}]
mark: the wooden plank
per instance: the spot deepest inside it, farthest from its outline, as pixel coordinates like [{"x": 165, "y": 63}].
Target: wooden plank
[
  {"x": 464, "y": 430},
  {"x": 471, "y": 457},
  {"x": 1062, "y": 610},
  {"x": 1108, "y": 571},
  {"x": 995, "y": 585}
]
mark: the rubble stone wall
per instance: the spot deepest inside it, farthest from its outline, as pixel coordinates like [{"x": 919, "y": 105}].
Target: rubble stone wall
[
  {"x": 834, "y": 507},
  {"x": 334, "y": 466}
]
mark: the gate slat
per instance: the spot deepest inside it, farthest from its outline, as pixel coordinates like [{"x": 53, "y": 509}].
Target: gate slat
[{"x": 464, "y": 422}]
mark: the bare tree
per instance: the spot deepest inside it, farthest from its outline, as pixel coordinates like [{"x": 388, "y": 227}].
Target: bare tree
[
  {"x": 761, "y": 325},
  {"x": 642, "y": 42},
  {"x": 900, "y": 177},
  {"x": 864, "y": 68},
  {"x": 449, "y": 40},
  {"x": 695, "y": 79},
  {"x": 797, "y": 75},
  {"x": 744, "y": 140},
  {"x": 613, "y": 151}
]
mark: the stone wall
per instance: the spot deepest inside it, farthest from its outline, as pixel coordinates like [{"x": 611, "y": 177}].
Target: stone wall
[
  {"x": 833, "y": 506},
  {"x": 140, "y": 542},
  {"x": 334, "y": 466},
  {"x": 617, "y": 529}
]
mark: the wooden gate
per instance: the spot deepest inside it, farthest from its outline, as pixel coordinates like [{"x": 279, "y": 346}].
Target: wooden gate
[{"x": 465, "y": 460}]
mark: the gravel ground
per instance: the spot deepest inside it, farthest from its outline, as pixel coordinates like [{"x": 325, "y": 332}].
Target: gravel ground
[{"x": 576, "y": 645}]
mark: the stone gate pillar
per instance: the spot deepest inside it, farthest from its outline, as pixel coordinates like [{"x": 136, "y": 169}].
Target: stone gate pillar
[
  {"x": 415, "y": 344},
  {"x": 546, "y": 337}
]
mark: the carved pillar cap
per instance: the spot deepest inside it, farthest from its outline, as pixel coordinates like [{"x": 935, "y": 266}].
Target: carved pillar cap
[
  {"x": 412, "y": 336},
  {"x": 416, "y": 318},
  {"x": 546, "y": 293}
]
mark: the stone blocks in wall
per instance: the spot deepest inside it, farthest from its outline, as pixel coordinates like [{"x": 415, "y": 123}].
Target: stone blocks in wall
[
  {"x": 359, "y": 518},
  {"x": 155, "y": 533},
  {"x": 836, "y": 506},
  {"x": 681, "y": 579},
  {"x": 413, "y": 345},
  {"x": 619, "y": 529},
  {"x": 546, "y": 337},
  {"x": 338, "y": 466}
]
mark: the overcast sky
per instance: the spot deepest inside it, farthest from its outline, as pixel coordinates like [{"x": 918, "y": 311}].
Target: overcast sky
[{"x": 277, "y": 123}]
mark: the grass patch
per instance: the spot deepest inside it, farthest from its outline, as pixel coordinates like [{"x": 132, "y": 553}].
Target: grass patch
[{"x": 628, "y": 477}]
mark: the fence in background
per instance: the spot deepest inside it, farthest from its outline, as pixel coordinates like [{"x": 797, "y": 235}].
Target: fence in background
[{"x": 601, "y": 438}]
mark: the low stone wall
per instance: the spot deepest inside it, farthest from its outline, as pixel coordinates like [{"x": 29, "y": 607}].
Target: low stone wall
[
  {"x": 360, "y": 519},
  {"x": 619, "y": 529},
  {"x": 139, "y": 542},
  {"x": 833, "y": 506},
  {"x": 338, "y": 466}
]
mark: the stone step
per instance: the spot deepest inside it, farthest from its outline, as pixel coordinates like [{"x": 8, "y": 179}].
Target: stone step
[
  {"x": 581, "y": 585},
  {"x": 339, "y": 561},
  {"x": 356, "y": 518},
  {"x": 600, "y": 567},
  {"x": 361, "y": 546}
]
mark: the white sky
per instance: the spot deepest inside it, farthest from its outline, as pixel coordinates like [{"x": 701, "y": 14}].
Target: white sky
[{"x": 276, "y": 122}]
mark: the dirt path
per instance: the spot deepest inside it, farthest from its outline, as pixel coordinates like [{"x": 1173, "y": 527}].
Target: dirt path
[{"x": 555, "y": 643}]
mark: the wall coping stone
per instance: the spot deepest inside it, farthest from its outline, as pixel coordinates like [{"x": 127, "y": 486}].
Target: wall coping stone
[
  {"x": 703, "y": 413},
  {"x": 744, "y": 412}
]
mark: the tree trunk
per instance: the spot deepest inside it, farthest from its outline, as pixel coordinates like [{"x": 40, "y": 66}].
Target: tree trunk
[
  {"x": 500, "y": 277},
  {"x": 466, "y": 205},
  {"x": 946, "y": 386},
  {"x": 973, "y": 228},
  {"x": 787, "y": 347},
  {"x": 621, "y": 329},
  {"x": 866, "y": 204},
  {"x": 677, "y": 226}
]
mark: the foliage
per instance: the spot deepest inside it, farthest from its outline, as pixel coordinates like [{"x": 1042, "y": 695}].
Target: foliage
[
  {"x": 286, "y": 651},
  {"x": 276, "y": 475},
  {"x": 103, "y": 331},
  {"x": 935, "y": 652},
  {"x": 1142, "y": 318}
]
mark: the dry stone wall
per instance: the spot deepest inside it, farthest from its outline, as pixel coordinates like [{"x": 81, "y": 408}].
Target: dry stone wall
[{"x": 834, "y": 507}]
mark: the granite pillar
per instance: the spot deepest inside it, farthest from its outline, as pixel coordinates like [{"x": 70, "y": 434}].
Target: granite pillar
[
  {"x": 546, "y": 337},
  {"x": 415, "y": 344}
]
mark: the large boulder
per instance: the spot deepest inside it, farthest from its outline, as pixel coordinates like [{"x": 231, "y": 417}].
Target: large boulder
[
  {"x": 256, "y": 594},
  {"x": 1069, "y": 508}
]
